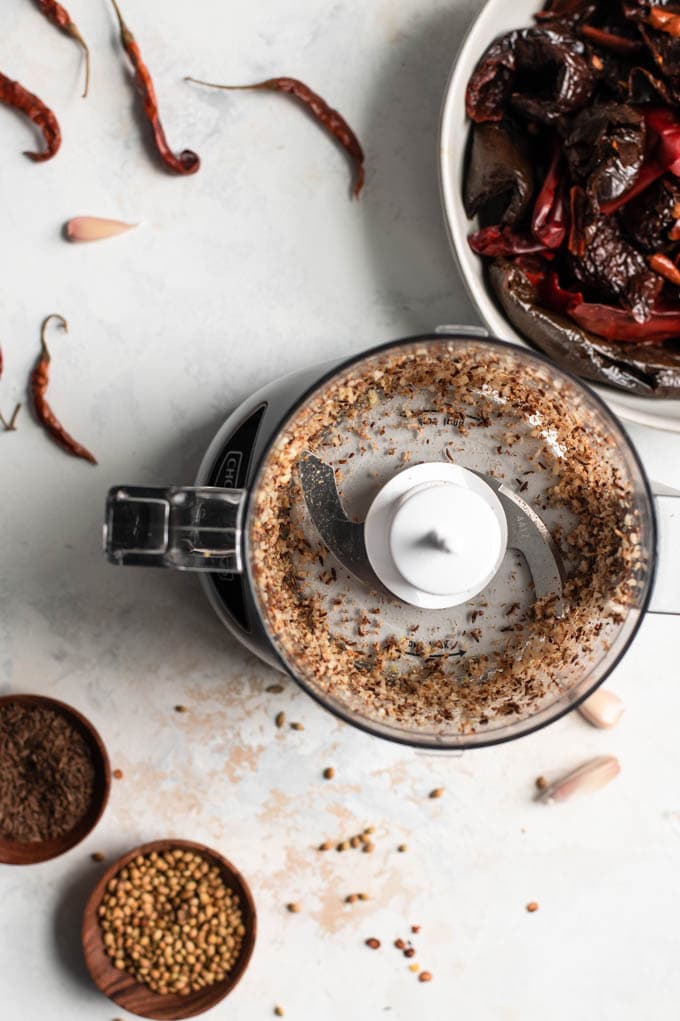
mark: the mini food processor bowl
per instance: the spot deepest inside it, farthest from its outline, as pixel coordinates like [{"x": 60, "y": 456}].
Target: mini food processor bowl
[{"x": 573, "y": 393}]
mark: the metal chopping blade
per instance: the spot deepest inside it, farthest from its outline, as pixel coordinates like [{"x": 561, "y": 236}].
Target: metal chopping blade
[{"x": 527, "y": 532}]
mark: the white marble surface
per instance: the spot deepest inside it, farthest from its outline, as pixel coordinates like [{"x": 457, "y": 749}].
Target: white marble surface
[{"x": 258, "y": 265}]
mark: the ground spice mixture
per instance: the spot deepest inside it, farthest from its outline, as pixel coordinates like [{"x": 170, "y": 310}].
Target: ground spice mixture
[
  {"x": 46, "y": 774},
  {"x": 481, "y": 407}
]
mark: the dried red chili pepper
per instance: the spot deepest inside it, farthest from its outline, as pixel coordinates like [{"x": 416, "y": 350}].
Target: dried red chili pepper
[
  {"x": 664, "y": 21},
  {"x": 502, "y": 241},
  {"x": 187, "y": 162},
  {"x": 665, "y": 267},
  {"x": 610, "y": 41},
  {"x": 10, "y": 426},
  {"x": 15, "y": 95},
  {"x": 549, "y": 222},
  {"x": 334, "y": 123},
  {"x": 60, "y": 17},
  {"x": 39, "y": 381}
]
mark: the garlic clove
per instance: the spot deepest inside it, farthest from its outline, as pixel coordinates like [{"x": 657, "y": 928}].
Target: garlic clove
[
  {"x": 604, "y": 709},
  {"x": 591, "y": 776},
  {"x": 95, "y": 228}
]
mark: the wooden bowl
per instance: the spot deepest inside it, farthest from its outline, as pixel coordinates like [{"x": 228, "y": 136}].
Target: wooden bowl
[
  {"x": 14, "y": 853},
  {"x": 127, "y": 991}
]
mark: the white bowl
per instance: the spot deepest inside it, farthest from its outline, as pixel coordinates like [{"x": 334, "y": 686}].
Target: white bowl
[{"x": 496, "y": 18}]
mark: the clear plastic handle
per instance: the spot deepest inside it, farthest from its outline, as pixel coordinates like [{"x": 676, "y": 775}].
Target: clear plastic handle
[
  {"x": 666, "y": 595},
  {"x": 189, "y": 529}
]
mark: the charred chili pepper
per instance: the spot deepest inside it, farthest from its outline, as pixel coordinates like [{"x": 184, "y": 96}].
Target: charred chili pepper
[
  {"x": 10, "y": 426},
  {"x": 187, "y": 162},
  {"x": 549, "y": 221},
  {"x": 15, "y": 95},
  {"x": 610, "y": 41},
  {"x": 665, "y": 267},
  {"x": 39, "y": 381},
  {"x": 334, "y": 123},
  {"x": 60, "y": 17}
]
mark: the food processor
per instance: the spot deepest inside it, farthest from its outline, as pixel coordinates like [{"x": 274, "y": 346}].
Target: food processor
[{"x": 447, "y": 541}]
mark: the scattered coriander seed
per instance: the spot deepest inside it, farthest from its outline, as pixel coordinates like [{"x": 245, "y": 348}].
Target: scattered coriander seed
[
  {"x": 280, "y": 719},
  {"x": 355, "y": 842},
  {"x": 363, "y": 896},
  {"x": 436, "y": 793},
  {"x": 117, "y": 774},
  {"x": 541, "y": 783},
  {"x": 98, "y": 856},
  {"x": 416, "y": 928},
  {"x": 369, "y": 847},
  {"x": 326, "y": 846},
  {"x": 181, "y": 709},
  {"x": 532, "y": 906},
  {"x": 373, "y": 943},
  {"x": 403, "y": 848},
  {"x": 328, "y": 773},
  {"x": 409, "y": 952},
  {"x": 279, "y": 1011},
  {"x": 274, "y": 689},
  {"x": 425, "y": 976},
  {"x": 414, "y": 967},
  {"x": 343, "y": 846},
  {"x": 351, "y": 898},
  {"x": 297, "y": 726},
  {"x": 369, "y": 830},
  {"x": 399, "y": 944},
  {"x": 293, "y": 907}
]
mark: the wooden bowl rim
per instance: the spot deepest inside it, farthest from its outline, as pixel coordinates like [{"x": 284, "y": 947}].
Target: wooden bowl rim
[
  {"x": 15, "y": 853},
  {"x": 221, "y": 989}
]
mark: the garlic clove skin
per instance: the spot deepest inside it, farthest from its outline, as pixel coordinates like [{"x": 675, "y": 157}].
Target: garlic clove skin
[
  {"x": 95, "y": 228},
  {"x": 589, "y": 777},
  {"x": 604, "y": 709}
]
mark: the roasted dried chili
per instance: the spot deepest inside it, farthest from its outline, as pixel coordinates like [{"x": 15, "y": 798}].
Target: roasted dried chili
[
  {"x": 334, "y": 123},
  {"x": 15, "y": 95},
  {"x": 60, "y": 17},
  {"x": 10, "y": 426},
  {"x": 664, "y": 21},
  {"x": 39, "y": 382},
  {"x": 610, "y": 41},
  {"x": 187, "y": 162},
  {"x": 665, "y": 267}
]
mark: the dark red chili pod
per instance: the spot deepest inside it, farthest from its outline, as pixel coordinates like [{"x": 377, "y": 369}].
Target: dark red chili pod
[
  {"x": 60, "y": 17},
  {"x": 15, "y": 95}
]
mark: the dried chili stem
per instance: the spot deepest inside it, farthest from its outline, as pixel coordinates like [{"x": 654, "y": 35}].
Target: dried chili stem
[
  {"x": 187, "y": 162},
  {"x": 15, "y": 95},
  {"x": 334, "y": 123},
  {"x": 60, "y": 17},
  {"x": 39, "y": 382}
]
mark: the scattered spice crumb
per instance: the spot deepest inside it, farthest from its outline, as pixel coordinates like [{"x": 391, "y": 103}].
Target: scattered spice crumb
[
  {"x": 293, "y": 907},
  {"x": 280, "y": 719},
  {"x": 369, "y": 830},
  {"x": 118, "y": 774},
  {"x": 98, "y": 856},
  {"x": 368, "y": 847},
  {"x": 328, "y": 773},
  {"x": 363, "y": 896},
  {"x": 399, "y": 944},
  {"x": 410, "y": 952},
  {"x": 373, "y": 943},
  {"x": 279, "y": 1011},
  {"x": 541, "y": 783},
  {"x": 403, "y": 848},
  {"x": 275, "y": 689},
  {"x": 343, "y": 846},
  {"x": 297, "y": 726},
  {"x": 181, "y": 709},
  {"x": 414, "y": 967},
  {"x": 415, "y": 928},
  {"x": 532, "y": 906},
  {"x": 425, "y": 976},
  {"x": 351, "y": 898},
  {"x": 436, "y": 793},
  {"x": 355, "y": 842},
  {"x": 326, "y": 846}
]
